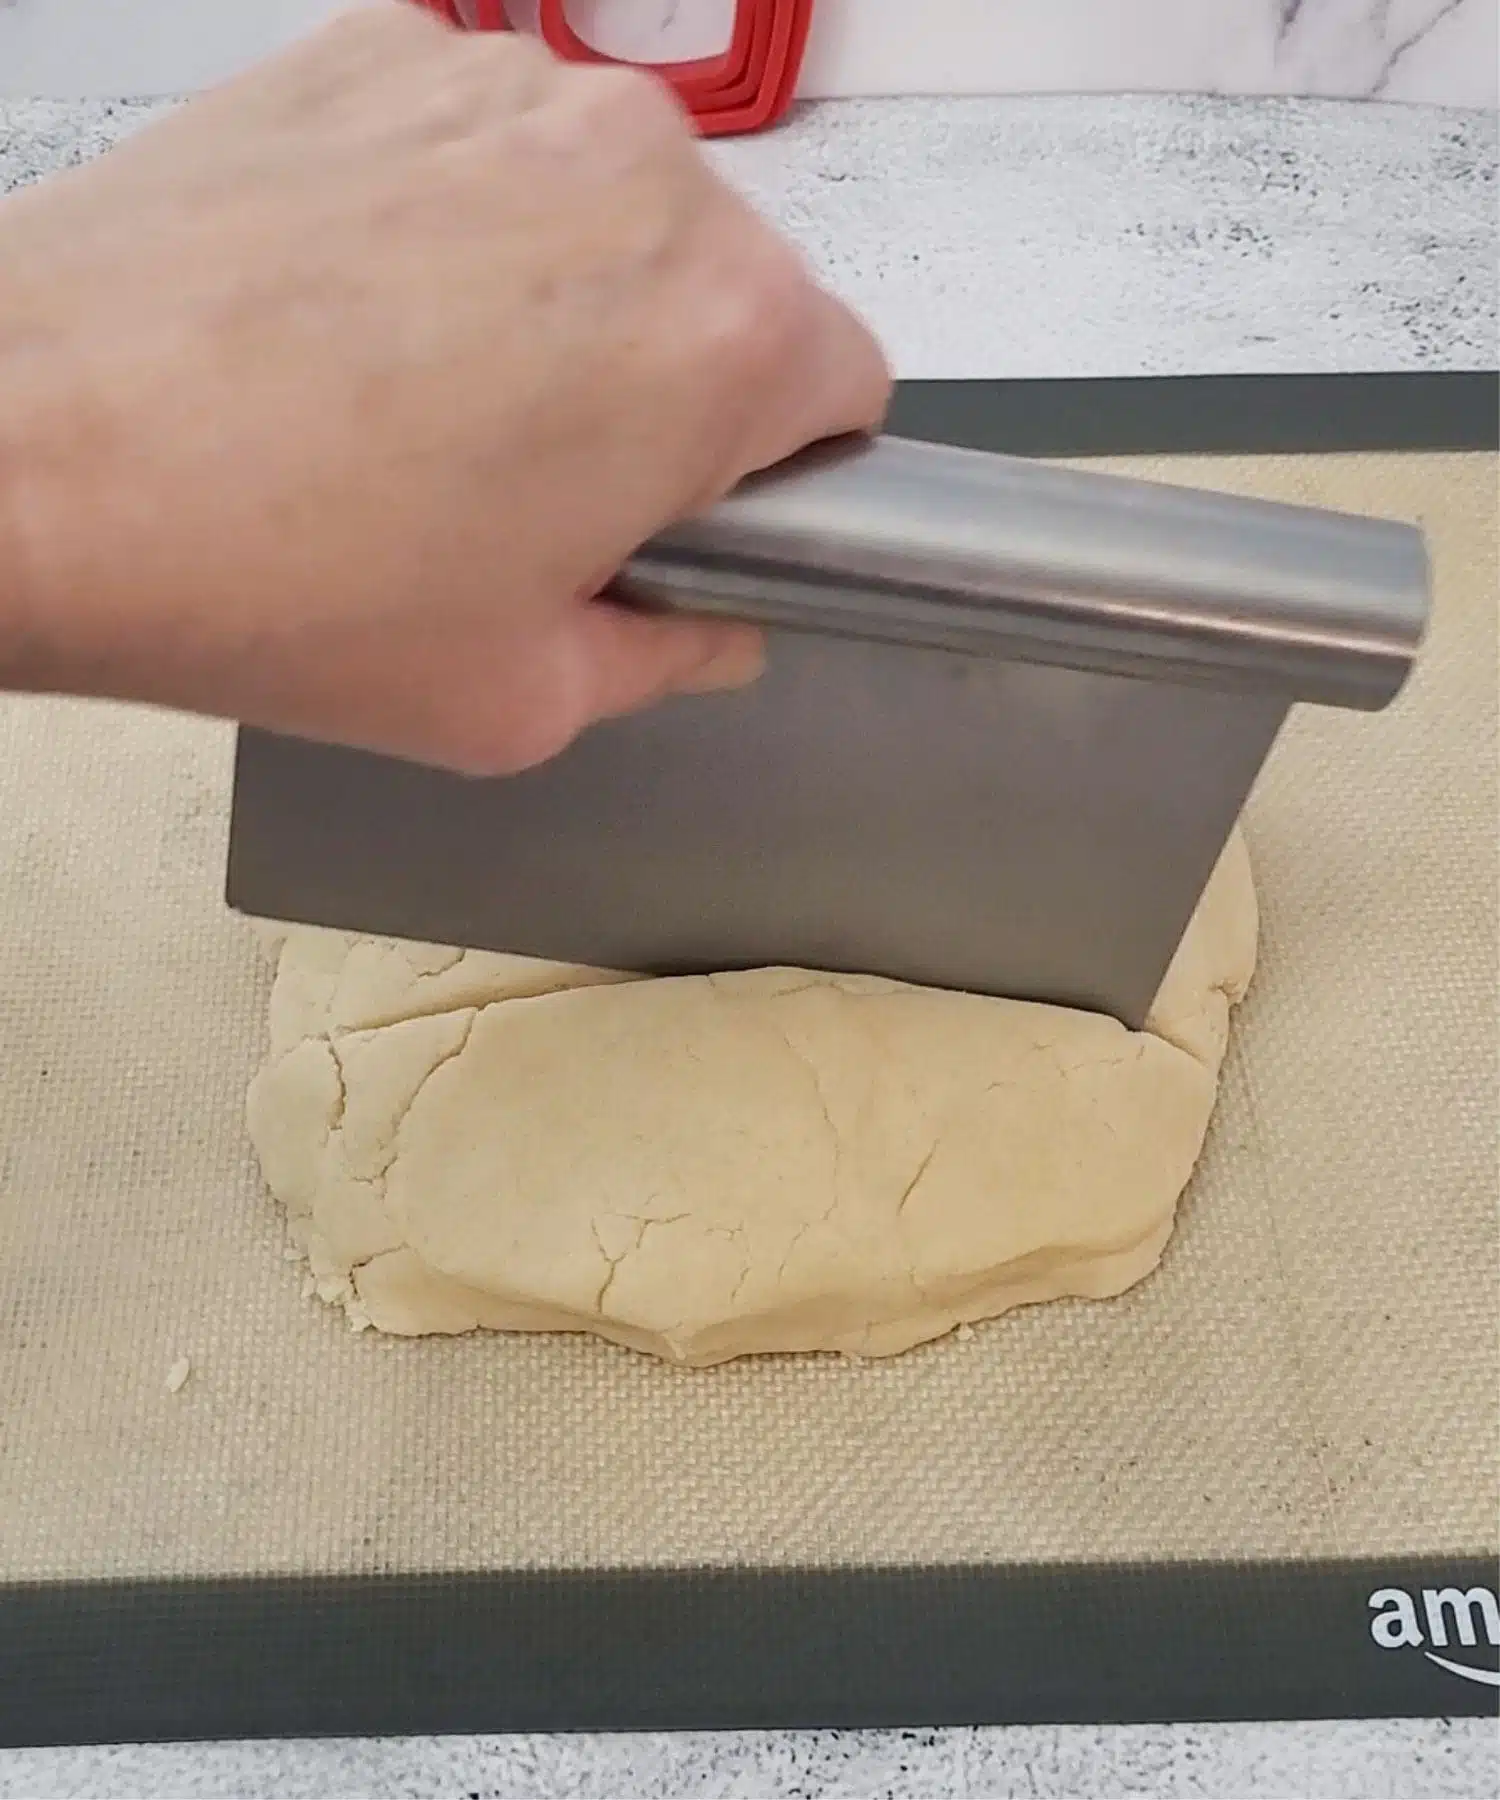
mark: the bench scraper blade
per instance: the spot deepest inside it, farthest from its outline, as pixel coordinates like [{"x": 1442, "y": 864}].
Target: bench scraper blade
[{"x": 1011, "y": 714}]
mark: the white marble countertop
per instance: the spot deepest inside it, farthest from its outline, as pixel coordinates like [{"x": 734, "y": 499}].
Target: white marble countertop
[
  {"x": 1018, "y": 237},
  {"x": 1438, "y": 51}
]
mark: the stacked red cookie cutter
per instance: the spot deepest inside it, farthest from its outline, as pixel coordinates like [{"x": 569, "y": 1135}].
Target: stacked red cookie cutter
[{"x": 747, "y": 87}]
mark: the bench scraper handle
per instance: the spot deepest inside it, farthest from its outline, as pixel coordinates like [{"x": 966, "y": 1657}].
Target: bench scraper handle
[{"x": 914, "y": 543}]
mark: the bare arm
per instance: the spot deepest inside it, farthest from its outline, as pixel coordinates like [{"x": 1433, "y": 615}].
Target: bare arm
[{"x": 333, "y": 401}]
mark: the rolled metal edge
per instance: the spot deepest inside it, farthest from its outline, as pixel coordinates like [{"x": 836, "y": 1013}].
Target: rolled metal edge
[{"x": 906, "y": 542}]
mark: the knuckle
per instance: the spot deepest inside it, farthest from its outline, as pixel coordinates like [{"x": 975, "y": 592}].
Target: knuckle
[
  {"x": 764, "y": 303},
  {"x": 448, "y": 111},
  {"x": 517, "y": 50},
  {"x": 507, "y": 749},
  {"x": 629, "y": 101},
  {"x": 382, "y": 22},
  {"x": 533, "y": 739},
  {"x": 514, "y": 726},
  {"x": 783, "y": 286}
]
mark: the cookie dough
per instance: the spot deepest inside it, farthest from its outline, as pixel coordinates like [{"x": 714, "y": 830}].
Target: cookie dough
[{"x": 720, "y": 1166}]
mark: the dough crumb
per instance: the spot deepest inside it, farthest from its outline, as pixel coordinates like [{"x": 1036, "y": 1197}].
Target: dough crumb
[
  {"x": 964, "y": 1333},
  {"x": 177, "y": 1375},
  {"x": 292, "y": 1254}
]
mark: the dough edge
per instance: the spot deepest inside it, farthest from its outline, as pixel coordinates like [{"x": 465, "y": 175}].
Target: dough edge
[{"x": 337, "y": 996}]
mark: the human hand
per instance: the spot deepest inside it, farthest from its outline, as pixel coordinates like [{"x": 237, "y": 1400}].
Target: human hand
[{"x": 333, "y": 402}]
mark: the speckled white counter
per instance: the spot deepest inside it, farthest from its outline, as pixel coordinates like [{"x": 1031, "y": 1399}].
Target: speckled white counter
[
  {"x": 1024, "y": 237},
  {"x": 1105, "y": 236},
  {"x": 1380, "y": 1760}
]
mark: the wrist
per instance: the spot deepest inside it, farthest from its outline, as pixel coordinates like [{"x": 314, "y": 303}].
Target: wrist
[
  {"x": 18, "y": 602},
  {"x": 37, "y": 422},
  {"x": 106, "y": 417}
]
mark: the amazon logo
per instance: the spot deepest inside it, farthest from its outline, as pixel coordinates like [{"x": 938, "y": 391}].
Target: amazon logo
[{"x": 1437, "y": 1619}]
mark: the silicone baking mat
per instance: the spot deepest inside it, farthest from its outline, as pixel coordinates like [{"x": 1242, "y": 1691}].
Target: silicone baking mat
[{"x": 1262, "y": 1484}]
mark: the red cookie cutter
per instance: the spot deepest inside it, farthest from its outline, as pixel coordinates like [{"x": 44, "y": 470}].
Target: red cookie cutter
[{"x": 745, "y": 88}]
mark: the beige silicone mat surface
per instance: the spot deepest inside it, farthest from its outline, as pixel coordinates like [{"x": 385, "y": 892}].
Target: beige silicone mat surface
[{"x": 1313, "y": 1372}]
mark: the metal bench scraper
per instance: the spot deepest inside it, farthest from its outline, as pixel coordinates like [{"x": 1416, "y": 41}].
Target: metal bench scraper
[{"x": 1010, "y": 716}]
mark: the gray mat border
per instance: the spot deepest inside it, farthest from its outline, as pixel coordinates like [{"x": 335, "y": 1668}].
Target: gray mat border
[{"x": 86, "y": 1662}]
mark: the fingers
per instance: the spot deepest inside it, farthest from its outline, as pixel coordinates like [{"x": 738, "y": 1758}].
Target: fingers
[
  {"x": 627, "y": 659},
  {"x": 603, "y": 661}
]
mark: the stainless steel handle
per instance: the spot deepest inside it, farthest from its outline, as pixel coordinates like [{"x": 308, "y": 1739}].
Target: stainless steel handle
[{"x": 915, "y": 543}]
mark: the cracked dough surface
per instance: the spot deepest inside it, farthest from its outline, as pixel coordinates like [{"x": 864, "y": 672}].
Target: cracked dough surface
[{"x": 719, "y": 1166}]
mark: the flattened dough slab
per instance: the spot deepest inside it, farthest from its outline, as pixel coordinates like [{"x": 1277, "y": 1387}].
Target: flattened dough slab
[{"x": 721, "y": 1166}]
